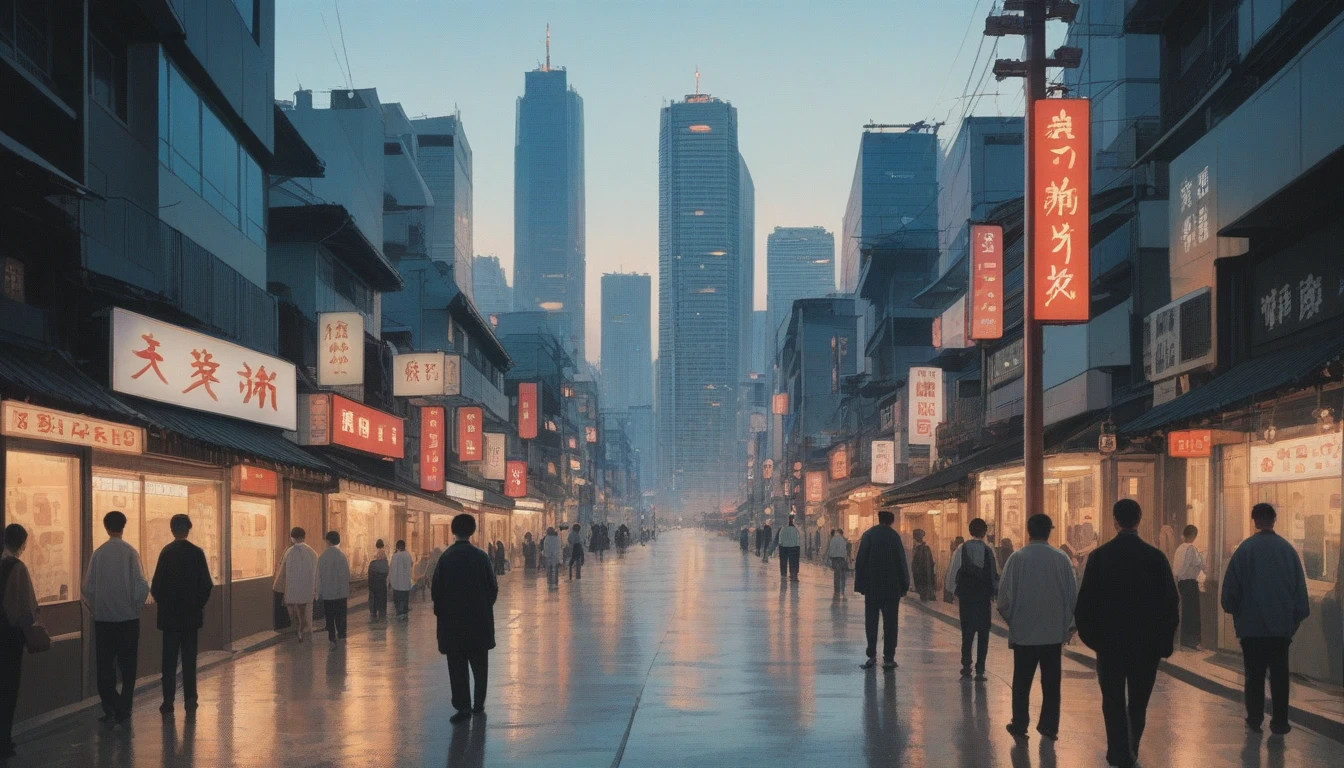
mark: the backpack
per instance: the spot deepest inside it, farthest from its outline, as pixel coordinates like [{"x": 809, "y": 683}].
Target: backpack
[{"x": 975, "y": 579}]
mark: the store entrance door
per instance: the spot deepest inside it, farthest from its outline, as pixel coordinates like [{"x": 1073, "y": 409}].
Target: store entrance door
[{"x": 1134, "y": 480}]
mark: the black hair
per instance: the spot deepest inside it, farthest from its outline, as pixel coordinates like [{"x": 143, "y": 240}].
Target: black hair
[
  {"x": 1190, "y": 532},
  {"x": 114, "y": 522},
  {"x": 179, "y": 525},
  {"x": 333, "y": 538},
  {"x": 463, "y": 525},
  {"x": 297, "y": 533},
  {"x": 886, "y": 517},
  {"x": 401, "y": 543},
  {"x": 15, "y": 537},
  {"x": 379, "y": 544},
  {"x": 978, "y": 527},
  {"x": 1127, "y": 513},
  {"x": 1264, "y": 512},
  {"x": 1039, "y": 526}
]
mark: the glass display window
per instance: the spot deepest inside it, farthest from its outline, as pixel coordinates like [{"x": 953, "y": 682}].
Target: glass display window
[
  {"x": 361, "y": 521},
  {"x": 1309, "y": 517},
  {"x": 1197, "y": 502},
  {"x": 252, "y": 544},
  {"x": 149, "y": 502},
  {"x": 42, "y": 494}
]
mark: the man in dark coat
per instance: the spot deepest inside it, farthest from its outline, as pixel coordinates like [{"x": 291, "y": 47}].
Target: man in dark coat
[
  {"x": 181, "y": 588},
  {"x": 1127, "y": 612},
  {"x": 974, "y": 579},
  {"x": 921, "y": 563},
  {"x": 464, "y": 593},
  {"x": 882, "y": 577}
]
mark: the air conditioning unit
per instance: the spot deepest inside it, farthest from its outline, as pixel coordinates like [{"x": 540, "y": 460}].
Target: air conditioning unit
[{"x": 1178, "y": 338}]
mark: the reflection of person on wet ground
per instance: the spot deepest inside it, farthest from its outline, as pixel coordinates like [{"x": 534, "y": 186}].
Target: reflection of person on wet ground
[{"x": 529, "y": 552}]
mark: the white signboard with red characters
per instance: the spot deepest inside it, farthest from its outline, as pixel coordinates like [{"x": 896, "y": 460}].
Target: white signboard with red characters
[
  {"x": 926, "y": 404},
  {"x": 340, "y": 348},
  {"x": 426, "y": 374},
  {"x": 1305, "y": 458},
  {"x": 164, "y": 362}
]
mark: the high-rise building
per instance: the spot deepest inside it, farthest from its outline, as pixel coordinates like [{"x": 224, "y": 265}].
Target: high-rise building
[
  {"x": 799, "y": 264},
  {"x": 894, "y": 196},
  {"x": 627, "y": 341},
  {"x": 705, "y": 215},
  {"x": 493, "y": 296},
  {"x": 444, "y": 158},
  {"x": 548, "y": 203},
  {"x": 762, "y": 344}
]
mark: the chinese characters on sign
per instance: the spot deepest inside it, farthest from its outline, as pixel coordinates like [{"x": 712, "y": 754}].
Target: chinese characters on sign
[
  {"x": 1190, "y": 444},
  {"x": 1061, "y": 150},
  {"x": 884, "y": 462},
  {"x": 515, "y": 484},
  {"x": 469, "y": 444},
  {"x": 255, "y": 481},
  {"x": 494, "y": 456},
  {"x": 815, "y": 487},
  {"x": 337, "y": 420},
  {"x": 23, "y": 420},
  {"x": 839, "y": 462},
  {"x": 779, "y": 404},
  {"x": 1301, "y": 459},
  {"x": 1298, "y": 287},
  {"x": 590, "y": 434},
  {"x": 986, "y": 281},
  {"x": 160, "y": 361},
  {"x": 1194, "y": 210},
  {"x": 431, "y": 448},
  {"x": 527, "y": 410},
  {"x": 340, "y": 348},
  {"x": 926, "y": 404},
  {"x": 426, "y": 374}
]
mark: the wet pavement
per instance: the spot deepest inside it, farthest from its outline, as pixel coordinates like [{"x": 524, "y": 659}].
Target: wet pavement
[{"x": 681, "y": 653}]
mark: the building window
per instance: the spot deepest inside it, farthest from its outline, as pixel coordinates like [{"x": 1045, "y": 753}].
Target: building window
[
  {"x": 107, "y": 74},
  {"x": 248, "y": 10},
  {"x": 251, "y": 548},
  {"x": 14, "y": 282},
  {"x": 149, "y": 502},
  {"x": 361, "y": 521},
  {"x": 42, "y": 495},
  {"x": 25, "y": 28}
]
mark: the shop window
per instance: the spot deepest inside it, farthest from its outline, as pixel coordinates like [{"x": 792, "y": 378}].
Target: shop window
[
  {"x": 107, "y": 74},
  {"x": 361, "y": 522},
  {"x": 251, "y": 555},
  {"x": 14, "y": 281},
  {"x": 1309, "y": 517},
  {"x": 149, "y": 503},
  {"x": 42, "y": 495},
  {"x": 1197, "y": 501}
]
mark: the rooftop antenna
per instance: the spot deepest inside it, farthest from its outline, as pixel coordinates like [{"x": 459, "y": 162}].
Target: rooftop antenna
[
  {"x": 547, "y": 68},
  {"x": 697, "y": 79}
]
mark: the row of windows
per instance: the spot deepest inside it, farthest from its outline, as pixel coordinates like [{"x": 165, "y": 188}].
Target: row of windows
[{"x": 201, "y": 151}]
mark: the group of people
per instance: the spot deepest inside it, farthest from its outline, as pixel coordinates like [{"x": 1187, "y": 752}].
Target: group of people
[
  {"x": 552, "y": 553},
  {"x": 305, "y": 578}
]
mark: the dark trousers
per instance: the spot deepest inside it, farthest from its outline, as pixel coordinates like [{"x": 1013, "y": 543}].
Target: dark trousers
[
  {"x": 968, "y": 636},
  {"x": 1191, "y": 629},
  {"x": 401, "y": 601},
  {"x": 1261, "y": 655},
  {"x": 11, "y": 664},
  {"x": 1118, "y": 672},
  {"x": 788, "y": 561},
  {"x": 183, "y": 643},
  {"x": 377, "y": 598},
  {"x": 841, "y": 570},
  {"x": 115, "y": 646},
  {"x": 460, "y": 684},
  {"x": 576, "y": 565},
  {"x": 890, "y": 611},
  {"x": 336, "y": 612},
  {"x": 1025, "y": 660}
]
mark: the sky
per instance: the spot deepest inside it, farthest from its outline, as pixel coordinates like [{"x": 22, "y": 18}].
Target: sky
[{"x": 805, "y": 76}]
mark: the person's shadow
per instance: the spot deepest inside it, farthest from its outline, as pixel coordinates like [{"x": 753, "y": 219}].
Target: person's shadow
[
  {"x": 467, "y": 748},
  {"x": 883, "y": 740}
]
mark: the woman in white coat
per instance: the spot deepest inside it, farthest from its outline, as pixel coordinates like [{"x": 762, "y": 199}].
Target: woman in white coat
[
  {"x": 402, "y": 564},
  {"x": 297, "y": 580},
  {"x": 551, "y": 547}
]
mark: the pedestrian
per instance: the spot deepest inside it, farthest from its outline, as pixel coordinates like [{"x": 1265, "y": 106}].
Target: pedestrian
[
  {"x": 956, "y": 544},
  {"x": 529, "y": 552},
  {"x": 769, "y": 538},
  {"x": 297, "y": 580},
  {"x": 1127, "y": 612},
  {"x": 18, "y": 615},
  {"x": 551, "y": 550},
  {"x": 464, "y": 592},
  {"x": 882, "y": 576},
  {"x": 973, "y": 577},
  {"x": 379, "y": 569},
  {"x": 1265, "y": 590},
  {"x": 333, "y": 587},
  {"x": 499, "y": 557},
  {"x": 575, "y": 550},
  {"x": 429, "y": 564},
  {"x": 402, "y": 565},
  {"x": 181, "y": 589},
  {"x": 789, "y": 547},
  {"x": 114, "y": 591},
  {"x": 760, "y": 533},
  {"x": 1187, "y": 566},
  {"x": 1037, "y": 592},
  {"x": 837, "y": 554},
  {"x": 922, "y": 567},
  {"x": 743, "y": 539},
  {"x": 1005, "y": 551}
]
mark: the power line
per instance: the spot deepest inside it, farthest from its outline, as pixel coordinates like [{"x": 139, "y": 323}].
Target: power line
[
  {"x": 341, "y": 27},
  {"x": 334, "y": 53}
]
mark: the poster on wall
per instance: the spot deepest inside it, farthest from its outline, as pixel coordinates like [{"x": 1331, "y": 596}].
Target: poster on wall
[
  {"x": 527, "y": 410},
  {"x": 169, "y": 364},
  {"x": 884, "y": 462},
  {"x": 431, "y": 448},
  {"x": 815, "y": 487},
  {"x": 779, "y": 404},
  {"x": 1304, "y": 458},
  {"x": 986, "y": 282},
  {"x": 1061, "y": 153},
  {"x": 839, "y": 461},
  {"x": 426, "y": 374},
  {"x": 926, "y": 404},
  {"x": 515, "y": 484},
  {"x": 494, "y": 456},
  {"x": 470, "y": 446},
  {"x": 340, "y": 348}
]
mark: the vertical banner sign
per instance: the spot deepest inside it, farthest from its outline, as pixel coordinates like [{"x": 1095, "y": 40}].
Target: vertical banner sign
[
  {"x": 986, "y": 281},
  {"x": 884, "y": 462},
  {"x": 515, "y": 484},
  {"x": 470, "y": 446},
  {"x": 340, "y": 348},
  {"x": 926, "y": 404},
  {"x": 816, "y": 487},
  {"x": 839, "y": 461},
  {"x": 431, "y": 449},
  {"x": 527, "y": 410},
  {"x": 1061, "y": 156},
  {"x": 494, "y": 456},
  {"x": 779, "y": 405}
]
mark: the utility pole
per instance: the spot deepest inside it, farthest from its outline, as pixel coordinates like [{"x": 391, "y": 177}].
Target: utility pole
[{"x": 1031, "y": 25}]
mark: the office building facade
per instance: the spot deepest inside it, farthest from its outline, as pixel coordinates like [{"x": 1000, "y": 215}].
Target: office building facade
[
  {"x": 443, "y": 156},
  {"x": 799, "y": 264},
  {"x": 627, "y": 340},
  {"x": 493, "y": 294}
]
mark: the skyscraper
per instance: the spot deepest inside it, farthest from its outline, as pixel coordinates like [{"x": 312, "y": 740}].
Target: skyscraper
[
  {"x": 444, "y": 158},
  {"x": 491, "y": 285},
  {"x": 705, "y": 215},
  {"x": 799, "y": 264},
  {"x": 627, "y": 341},
  {"x": 548, "y": 202},
  {"x": 894, "y": 197}
]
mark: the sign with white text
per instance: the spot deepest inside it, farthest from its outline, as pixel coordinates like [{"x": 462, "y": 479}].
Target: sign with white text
[
  {"x": 515, "y": 484},
  {"x": 494, "y": 456},
  {"x": 340, "y": 348},
  {"x": 470, "y": 446},
  {"x": 884, "y": 462},
  {"x": 431, "y": 448},
  {"x": 986, "y": 282}
]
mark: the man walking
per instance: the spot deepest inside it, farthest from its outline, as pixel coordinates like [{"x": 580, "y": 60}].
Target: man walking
[
  {"x": 882, "y": 577},
  {"x": 333, "y": 587},
  {"x": 181, "y": 588},
  {"x": 973, "y": 577},
  {"x": 1036, "y": 597},
  {"x": 297, "y": 580},
  {"x": 1127, "y": 613},
  {"x": 1187, "y": 565},
  {"x": 574, "y": 550},
  {"x": 114, "y": 591},
  {"x": 789, "y": 544},
  {"x": 402, "y": 564},
  {"x": 552, "y": 550},
  {"x": 768, "y": 536},
  {"x": 1265, "y": 590},
  {"x": 379, "y": 569},
  {"x": 464, "y": 592},
  {"x": 837, "y": 554},
  {"x": 921, "y": 565}
]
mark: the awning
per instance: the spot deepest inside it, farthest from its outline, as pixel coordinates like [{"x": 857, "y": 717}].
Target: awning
[
  {"x": 49, "y": 378},
  {"x": 1254, "y": 378},
  {"x": 240, "y": 437},
  {"x": 35, "y": 161}
]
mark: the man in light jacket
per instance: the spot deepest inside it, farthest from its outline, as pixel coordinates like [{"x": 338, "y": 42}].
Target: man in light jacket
[
  {"x": 333, "y": 586},
  {"x": 550, "y": 549},
  {"x": 114, "y": 591},
  {"x": 402, "y": 564},
  {"x": 1265, "y": 590},
  {"x": 1186, "y": 565},
  {"x": 837, "y": 554},
  {"x": 973, "y": 576},
  {"x": 297, "y": 581},
  {"x": 1037, "y": 593},
  {"x": 789, "y": 543},
  {"x": 181, "y": 588}
]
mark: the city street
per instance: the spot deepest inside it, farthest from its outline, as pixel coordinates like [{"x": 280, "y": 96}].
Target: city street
[{"x": 680, "y": 653}]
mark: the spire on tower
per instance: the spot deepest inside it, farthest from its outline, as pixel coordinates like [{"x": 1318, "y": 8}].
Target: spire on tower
[
  {"x": 697, "y": 79},
  {"x": 547, "y": 68}
]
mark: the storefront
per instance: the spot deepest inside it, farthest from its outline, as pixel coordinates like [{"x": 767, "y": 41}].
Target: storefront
[
  {"x": 364, "y": 515},
  {"x": 529, "y": 517},
  {"x": 428, "y": 524},
  {"x": 941, "y": 520}
]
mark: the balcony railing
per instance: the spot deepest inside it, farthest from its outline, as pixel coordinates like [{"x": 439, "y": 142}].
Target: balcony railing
[{"x": 128, "y": 243}]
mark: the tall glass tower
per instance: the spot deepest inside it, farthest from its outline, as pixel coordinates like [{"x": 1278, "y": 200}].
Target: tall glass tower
[
  {"x": 799, "y": 264},
  {"x": 705, "y": 220},
  {"x": 548, "y": 203},
  {"x": 627, "y": 341}
]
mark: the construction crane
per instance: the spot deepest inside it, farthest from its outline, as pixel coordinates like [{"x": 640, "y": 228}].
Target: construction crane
[{"x": 923, "y": 126}]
